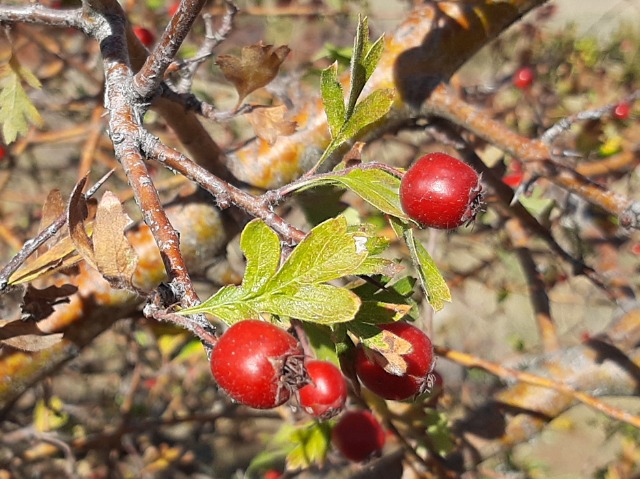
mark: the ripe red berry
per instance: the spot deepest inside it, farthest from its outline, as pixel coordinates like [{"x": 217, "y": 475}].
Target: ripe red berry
[
  {"x": 440, "y": 191},
  {"x": 523, "y": 78},
  {"x": 622, "y": 111},
  {"x": 258, "y": 364},
  {"x": 145, "y": 36},
  {"x": 326, "y": 394},
  {"x": 173, "y": 8},
  {"x": 3, "y": 152},
  {"x": 358, "y": 435},
  {"x": 272, "y": 474},
  {"x": 420, "y": 362}
]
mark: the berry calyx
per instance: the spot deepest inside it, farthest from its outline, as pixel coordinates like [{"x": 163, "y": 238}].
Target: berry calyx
[
  {"x": 258, "y": 364},
  {"x": 146, "y": 37},
  {"x": 420, "y": 362},
  {"x": 358, "y": 435},
  {"x": 326, "y": 394},
  {"x": 622, "y": 111},
  {"x": 440, "y": 191},
  {"x": 523, "y": 78}
]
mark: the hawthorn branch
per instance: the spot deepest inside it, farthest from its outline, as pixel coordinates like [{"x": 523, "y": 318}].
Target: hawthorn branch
[
  {"x": 536, "y": 155},
  {"x": 37, "y": 14},
  {"x": 509, "y": 374},
  {"x": 147, "y": 81},
  {"x": 224, "y": 193}
]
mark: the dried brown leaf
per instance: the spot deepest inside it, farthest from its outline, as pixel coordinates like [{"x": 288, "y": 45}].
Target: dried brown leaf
[
  {"x": 26, "y": 335},
  {"x": 62, "y": 255},
  {"x": 270, "y": 123},
  {"x": 115, "y": 257},
  {"x": 53, "y": 207},
  {"x": 38, "y": 304},
  {"x": 77, "y": 214},
  {"x": 390, "y": 357},
  {"x": 257, "y": 65}
]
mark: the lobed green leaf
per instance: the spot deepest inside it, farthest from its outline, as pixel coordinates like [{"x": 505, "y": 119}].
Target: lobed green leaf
[{"x": 333, "y": 99}]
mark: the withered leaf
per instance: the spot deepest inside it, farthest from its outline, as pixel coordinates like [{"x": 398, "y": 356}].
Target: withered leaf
[
  {"x": 37, "y": 303},
  {"x": 27, "y": 336},
  {"x": 62, "y": 255},
  {"x": 77, "y": 214},
  {"x": 270, "y": 123},
  {"x": 53, "y": 207},
  {"x": 257, "y": 65},
  {"x": 390, "y": 356},
  {"x": 115, "y": 258}
]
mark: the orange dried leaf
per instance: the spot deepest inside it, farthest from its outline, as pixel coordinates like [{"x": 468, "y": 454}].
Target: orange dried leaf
[
  {"x": 270, "y": 123},
  {"x": 257, "y": 65}
]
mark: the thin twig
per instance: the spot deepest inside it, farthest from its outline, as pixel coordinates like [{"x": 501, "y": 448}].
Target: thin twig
[{"x": 509, "y": 374}]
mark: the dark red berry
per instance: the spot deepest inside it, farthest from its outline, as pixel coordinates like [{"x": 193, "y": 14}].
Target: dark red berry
[
  {"x": 358, "y": 435},
  {"x": 420, "y": 361},
  {"x": 3, "y": 152},
  {"x": 145, "y": 36},
  {"x": 440, "y": 191},
  {"x": 258, "y": 364},
  {"x": 523, "y": 78},
  {"x": 622, "y": 111},
  {"x": 326, "y": 394}
]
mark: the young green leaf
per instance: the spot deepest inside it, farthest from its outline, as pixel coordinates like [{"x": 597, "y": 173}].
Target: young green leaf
[
  {"x": 261, "y": 247},
  {"x": 432, "y": 281},
  {"x": 297, "y": 289},
  {"x": 16, "y": 109},
  {"x": 332, "y": 98},
  {"x": 377, "y": 187},
  {"x": 368, "y": 111}
]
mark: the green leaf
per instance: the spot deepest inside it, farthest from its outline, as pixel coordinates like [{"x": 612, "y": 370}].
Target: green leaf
[
  {"x": 321, "y": 339},
  {"x": 333, "y": 99},
  {"x": 261, "y": 247},
  {"x": 317, "y": 303},
  {"x": 311, "y": 445},
  {"x": 330, "y": 251},
  {"x": 358, "y": 71},
  {"x": 17, "y": 111},
  {"x": 432, "y": 281},
  {"x": 368, "y": 111},
  {"x": 371, "y": 59},
  {"x": 377, "y": 187}
]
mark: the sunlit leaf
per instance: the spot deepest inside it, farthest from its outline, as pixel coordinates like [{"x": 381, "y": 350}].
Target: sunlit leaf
[
  {"x": 332, "y": 98},
  {"x": 433, "y": 283}
]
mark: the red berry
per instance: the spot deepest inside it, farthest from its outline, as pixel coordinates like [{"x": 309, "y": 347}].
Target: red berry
[
  {"x": 420, "y": 361},
  {"x": 173, "y": 8},
  {"x": 3, "y": 152},
  {"x": 145, "y": 36},
  {"x": 440, "y": 191},
  {"x": 258, "y": 364},
  {"x": 523, "y": 78},
  {"x": 272, "y": 474},
  {"x": 358, "y": 435},
  {"x": 326, "y": 394},
  {"x": 622, "y": 111}
]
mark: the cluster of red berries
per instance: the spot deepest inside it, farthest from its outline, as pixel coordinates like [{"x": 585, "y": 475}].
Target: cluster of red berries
[{"x": 260, "y": 365}]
